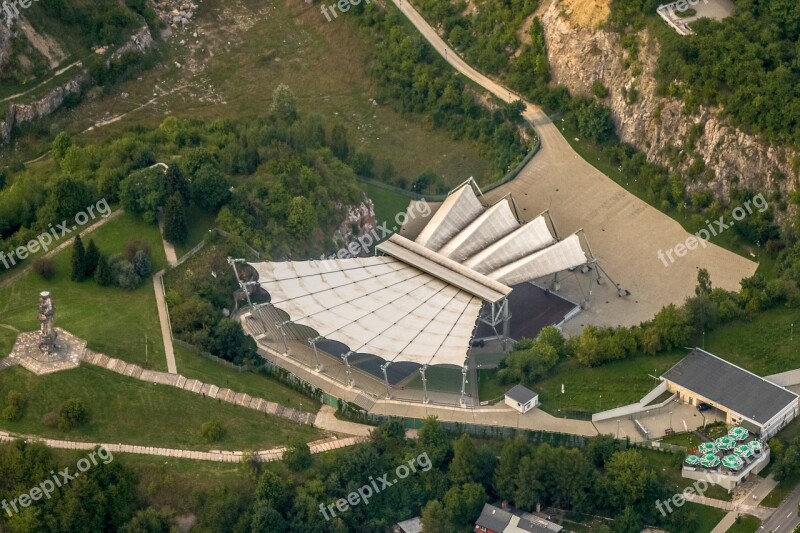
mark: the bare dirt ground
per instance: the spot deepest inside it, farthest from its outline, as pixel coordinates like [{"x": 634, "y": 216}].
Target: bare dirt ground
[
  {"x": 584, "y": 13},
  {"x": 44, "y": 44}
]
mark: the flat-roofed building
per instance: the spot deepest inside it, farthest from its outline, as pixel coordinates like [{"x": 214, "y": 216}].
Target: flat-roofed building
[{"x": 748, "y": 400}]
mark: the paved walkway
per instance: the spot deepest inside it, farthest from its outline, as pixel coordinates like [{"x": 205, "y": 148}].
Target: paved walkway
[
  {"x": 499, "y": 415},
  {"x": 326, "y": 419},
  {"x": 625, "y": 233},
  {"x": 163, "y": 318},
  {"x": 67, "y": 242},
  {"x": 222, "y": 456},
  {"x": 750, "y": 500}
]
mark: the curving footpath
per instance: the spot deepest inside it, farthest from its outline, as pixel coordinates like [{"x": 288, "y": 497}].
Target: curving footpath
[
  {"x": 625, "y": 233},
  {"x": 220, "y": 456}
]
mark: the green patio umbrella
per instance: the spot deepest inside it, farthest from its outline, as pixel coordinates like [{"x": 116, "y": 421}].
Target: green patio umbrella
[
  {"x": 707, "y": 447},
  {"x": 709, "y": 460},
  {"x": 743, "y": 450},
  {"x": 755, "y": 446},
  {"x": 725, "y": 443},
  {"x": 738, "y": 433},
  {"x": 732, "y": 462},
  {"x": 692, "y": 460}
]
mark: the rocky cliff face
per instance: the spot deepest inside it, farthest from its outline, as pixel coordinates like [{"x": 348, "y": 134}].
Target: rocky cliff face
[
  {"x": 5, "y": 43},
  {"x": 657, "y": 126},
  {"x": 18, "y": 114},
  {"x": 356, "y": 229}
]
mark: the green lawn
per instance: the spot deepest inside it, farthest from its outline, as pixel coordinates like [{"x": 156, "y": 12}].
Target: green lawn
[
  {"x": 111, "y": 320},
  {"x": 745, "y": 524},
  {"x": 764, "y": 345},
  {"x": 198, "y": 367},
  {"x": 776, "y": 496},
  {"x": 387, "y": 203},
  {"x": 7, "y": 338},
  {"x": 133, "y": 412},
  {"x": 489, "y": 388},
  {"x": 707, "y": 517},
  {"x": 200, "y": 221},
  {"x": 688, "y": 440},
  {"x": 597, "y": 389},
  {"x": 439, "y": 379}
]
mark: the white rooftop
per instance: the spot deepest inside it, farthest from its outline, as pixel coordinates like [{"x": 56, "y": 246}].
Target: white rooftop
[{"x": 420, "y": 301}]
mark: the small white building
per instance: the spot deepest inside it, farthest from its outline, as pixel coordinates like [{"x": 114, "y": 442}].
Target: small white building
[{"x": 522, "y": 398}]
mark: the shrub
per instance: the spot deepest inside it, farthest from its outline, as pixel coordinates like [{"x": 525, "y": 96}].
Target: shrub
[
  {"x": 15, "y": 403},
  {"x": 69, "y": 415},
  {"x": 44, "y": 267},
  {"x": 212, "y": 431},
  {"x": 298, "y": 456}
]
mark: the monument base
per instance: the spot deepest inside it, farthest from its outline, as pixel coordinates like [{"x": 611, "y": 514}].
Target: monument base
[{"x": 65, "y": 355}]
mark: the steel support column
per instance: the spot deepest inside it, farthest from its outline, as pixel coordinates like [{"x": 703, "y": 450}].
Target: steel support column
[
  {"x": 349, "y": 381},
  {"x": 313, "y": 343},
  {"x": 386, "y": 379},
  {"x": 424, "y": 383}
]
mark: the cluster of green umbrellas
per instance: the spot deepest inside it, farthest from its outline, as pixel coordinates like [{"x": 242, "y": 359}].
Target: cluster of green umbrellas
[
  {"x": 738, "y": 433},
  {"x": 692, "y": 460}
]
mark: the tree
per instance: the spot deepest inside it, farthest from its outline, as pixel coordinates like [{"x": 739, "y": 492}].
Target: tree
[
  {"x": 703, "y": 283},
  {"x": 463, "y": 505},
  {"x": 149, "y": 521},
  {"x": 505, "y": 475},
  {"x": 284, "y": 104},
  {"x": 433, "y": 439},
  {"x": 45, "y": 267},
  {"x": 339, "y": 144},
  {"x": 272, "y": 489},
  {"x": 102, "y": 274},
  {"x": 142, "y": 265},
  {"x": 66, "y": 198},
  {"x": 175, "y": 229},
  {"x": 60, "y": 145},
  {"x": 210, "y": 189},
  {"x": 302, "y": 217},
  {"x": 143, "y": 192},
  {"x": 594, "y": 120},
  {"x": 464, "y": 467},
  {"x": 72, "y": 414},
  {"x": 92, "y": 257},
  {"x": 78, "y": 260},
  {"x": 177, "y": 184},
  {"x": 123, "y": 272},
  {"x": 266, "y": 519},
  {"x": 298, "y": 456},
  {"x": 435, "y": 518}
]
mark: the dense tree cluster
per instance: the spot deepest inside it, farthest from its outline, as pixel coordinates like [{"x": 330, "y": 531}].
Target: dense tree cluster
[
  {"x": 747, "y": 63},
  {"x": 417, "y": 82}
]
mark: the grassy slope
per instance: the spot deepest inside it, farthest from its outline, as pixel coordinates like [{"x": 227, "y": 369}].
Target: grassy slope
[
  {"x": 133, "y": 412},
  {"x": 7, "y": 338},
  {"x": 196, "y": 366},
  {"x": 745, "y": 524},
  {"x": 242, "y": 53},
  {"x": 112, "y": 320}
]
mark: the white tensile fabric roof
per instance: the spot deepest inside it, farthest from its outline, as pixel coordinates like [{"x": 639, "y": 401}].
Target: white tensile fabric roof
[
  {"x": 421, "y": 301},
  {"x": 376, "y": 305}
]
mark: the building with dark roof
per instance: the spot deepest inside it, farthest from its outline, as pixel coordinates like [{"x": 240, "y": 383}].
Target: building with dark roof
[
  {"x": 747, "y": 399},
  {"x": 496, "y": 520},
  {"x": 521, "y": 398}
]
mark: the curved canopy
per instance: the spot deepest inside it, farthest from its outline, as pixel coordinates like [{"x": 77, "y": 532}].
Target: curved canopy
[{"x": 420, "y": 302}]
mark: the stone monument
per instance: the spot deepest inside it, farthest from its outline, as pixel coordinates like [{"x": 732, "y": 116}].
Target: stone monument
[{"x": 50, "y": 349}]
